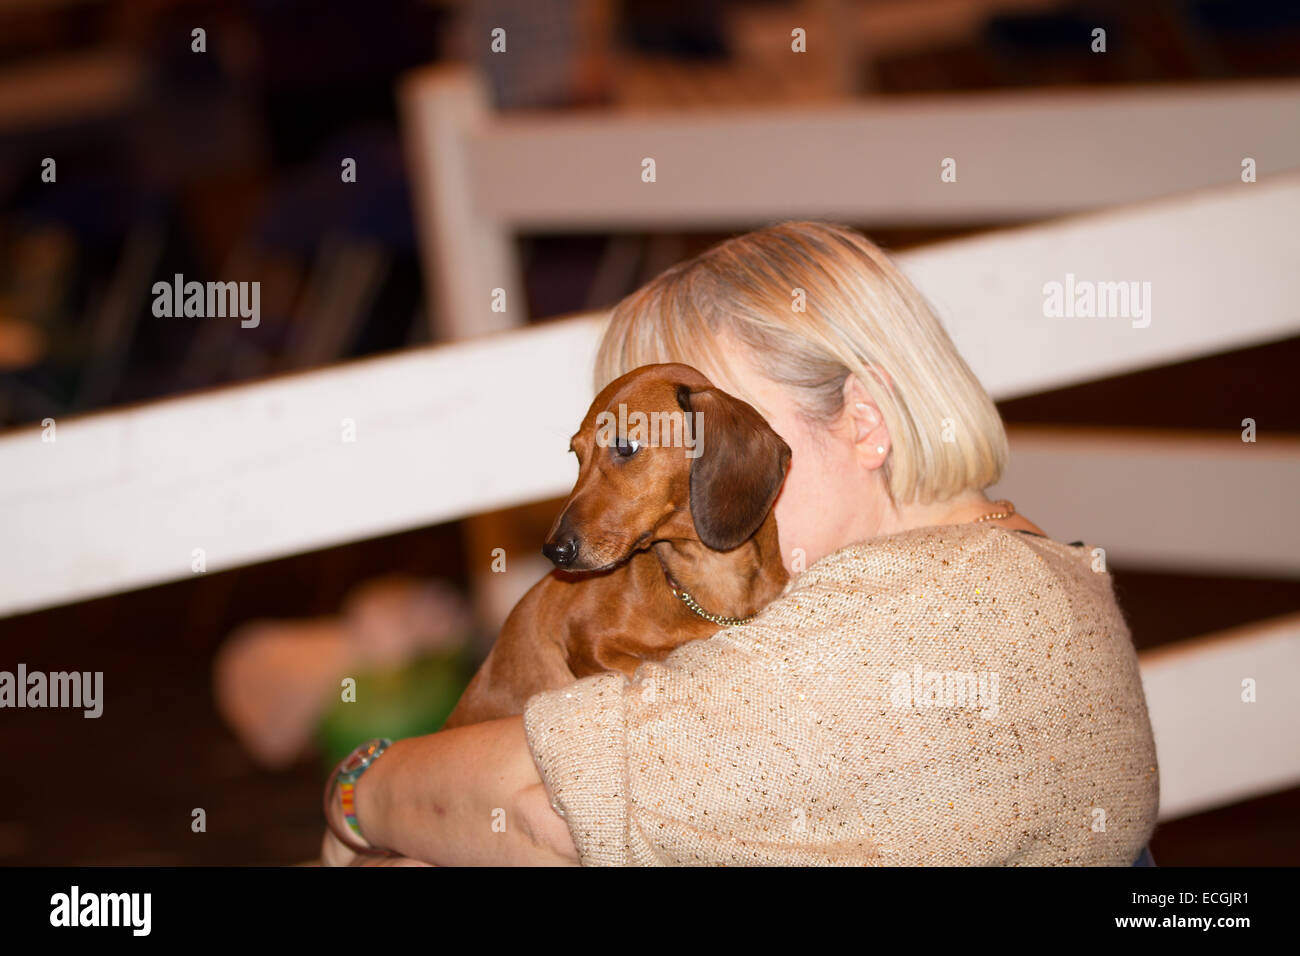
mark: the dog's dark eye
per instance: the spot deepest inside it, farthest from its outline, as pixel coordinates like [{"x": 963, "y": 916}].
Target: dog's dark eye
[{"x": 626, "y": 448}]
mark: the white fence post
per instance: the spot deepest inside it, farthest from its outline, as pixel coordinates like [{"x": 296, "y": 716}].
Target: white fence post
[{"x": 465, "y": 252}]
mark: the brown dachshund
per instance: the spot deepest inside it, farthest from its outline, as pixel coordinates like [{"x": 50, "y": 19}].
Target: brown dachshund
[{"x": 667, "y": 536}]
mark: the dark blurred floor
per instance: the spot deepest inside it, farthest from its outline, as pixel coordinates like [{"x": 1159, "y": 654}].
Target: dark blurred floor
[{"x": 121, "y": 790}]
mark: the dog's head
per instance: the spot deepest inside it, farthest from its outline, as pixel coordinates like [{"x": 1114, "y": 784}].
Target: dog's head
[{"x": 664, "y": 455}]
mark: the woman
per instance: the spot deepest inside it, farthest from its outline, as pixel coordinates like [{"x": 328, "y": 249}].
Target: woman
[{"x": 941, "y": 683}]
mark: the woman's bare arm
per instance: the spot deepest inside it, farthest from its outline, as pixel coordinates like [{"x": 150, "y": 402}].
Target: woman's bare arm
[{"x": 464, "y": 797}]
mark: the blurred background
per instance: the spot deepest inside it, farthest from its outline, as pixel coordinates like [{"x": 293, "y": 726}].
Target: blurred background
[{"x": 225, "y": 162}]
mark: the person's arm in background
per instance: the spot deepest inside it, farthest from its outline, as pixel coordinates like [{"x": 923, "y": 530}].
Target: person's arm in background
[{"x": 436, "y": 799}]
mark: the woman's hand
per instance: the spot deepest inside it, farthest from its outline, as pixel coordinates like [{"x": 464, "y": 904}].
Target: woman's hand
[{"x": 334, "y": 853}]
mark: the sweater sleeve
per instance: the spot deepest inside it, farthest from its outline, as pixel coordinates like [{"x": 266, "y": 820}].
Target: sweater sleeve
[
  {"x": 578, "y": 735},
  {"x": 670, "y": 767}
]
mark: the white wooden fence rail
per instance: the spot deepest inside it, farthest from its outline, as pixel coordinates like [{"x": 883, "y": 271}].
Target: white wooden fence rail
[
  {"x": 482, "y": 177},
  {"x": 1018, "y": 156},
  {"x": 1133, "y": 492},
  {"x": 1225, "y": 715}
]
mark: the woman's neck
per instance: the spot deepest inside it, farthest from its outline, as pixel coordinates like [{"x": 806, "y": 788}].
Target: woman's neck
[{"x": 963, "y": 508}]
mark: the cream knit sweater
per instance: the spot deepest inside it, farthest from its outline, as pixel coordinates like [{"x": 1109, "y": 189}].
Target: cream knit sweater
[{"x": 959, "y": 694}]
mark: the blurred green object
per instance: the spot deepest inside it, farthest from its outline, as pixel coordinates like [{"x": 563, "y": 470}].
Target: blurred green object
[{"x": 406, "y": 701}]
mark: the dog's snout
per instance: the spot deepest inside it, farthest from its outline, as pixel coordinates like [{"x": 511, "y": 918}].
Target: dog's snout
[{"x": 561, "y": 551}]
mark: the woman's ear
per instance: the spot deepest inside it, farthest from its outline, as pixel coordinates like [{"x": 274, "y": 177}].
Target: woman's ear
[
  {"x": 870, "y": 434},
  {"x": 740, "y": 470}
]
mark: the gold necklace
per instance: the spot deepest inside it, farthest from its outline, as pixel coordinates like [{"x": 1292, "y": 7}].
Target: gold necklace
[{"x": 1010, "y": 510}]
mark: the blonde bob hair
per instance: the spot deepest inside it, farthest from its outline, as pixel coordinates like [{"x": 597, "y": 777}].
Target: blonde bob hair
[{"x": 815, "y": 302}]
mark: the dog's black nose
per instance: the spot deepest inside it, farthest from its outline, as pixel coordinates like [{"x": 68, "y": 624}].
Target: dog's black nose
[{"x": 561, "y": 553}]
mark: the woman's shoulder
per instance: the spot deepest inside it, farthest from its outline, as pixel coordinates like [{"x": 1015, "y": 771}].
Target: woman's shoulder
[
  {"x": 975, "y": 578},
  {"x": 930, "y": 555},
  {"x": 942, "y": 545}
]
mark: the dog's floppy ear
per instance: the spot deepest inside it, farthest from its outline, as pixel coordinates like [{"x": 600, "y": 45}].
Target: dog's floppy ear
[{"x": 736, "y": 477}]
